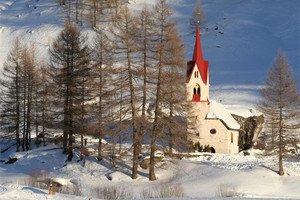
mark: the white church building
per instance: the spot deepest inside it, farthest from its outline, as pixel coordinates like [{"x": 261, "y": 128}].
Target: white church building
[{"x": 209, "y": 123}]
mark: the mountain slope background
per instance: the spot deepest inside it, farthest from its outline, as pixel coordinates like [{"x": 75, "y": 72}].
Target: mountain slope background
[{"x": 240, "y": 38}]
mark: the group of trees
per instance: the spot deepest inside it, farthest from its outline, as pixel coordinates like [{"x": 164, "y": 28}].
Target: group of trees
[
  {"x": 131, "y": 78},
  {"x": 22, "y": 99}
]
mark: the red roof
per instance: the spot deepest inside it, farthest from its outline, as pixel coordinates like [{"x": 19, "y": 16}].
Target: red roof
[{"x": 198, "y": 59}]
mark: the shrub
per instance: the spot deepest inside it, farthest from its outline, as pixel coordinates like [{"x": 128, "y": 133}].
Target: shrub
[
  {"x": 206, "y": 148},
  {"x": 225, "y": 191},
  {"x": 111, "y": 193},
  {"x": 171, "y": 191}
]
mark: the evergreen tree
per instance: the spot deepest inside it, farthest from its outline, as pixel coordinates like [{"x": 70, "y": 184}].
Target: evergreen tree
[
  {"x": 162, "y": 13},
  {"x": 11, "y": 93},
  {"x": 126, "y": 48},
  {"x": 69, "y": 61}
]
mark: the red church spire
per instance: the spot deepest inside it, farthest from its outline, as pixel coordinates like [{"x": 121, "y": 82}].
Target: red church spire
[
  {"x": 197, "y": 48},
  {"x": 198, "y": 57}
]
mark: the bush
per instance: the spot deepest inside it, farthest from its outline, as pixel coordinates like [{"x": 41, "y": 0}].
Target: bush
[
  {"x": 170, "y": 191},
  {"x": 226, "y": 191},
  {"x": 111, "y": 193},
  {"x": 206, "y": 148},
  {"x": 41, "y": 180}
]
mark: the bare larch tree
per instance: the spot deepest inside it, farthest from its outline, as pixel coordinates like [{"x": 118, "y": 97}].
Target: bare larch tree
[
  {"x": 67, "y": 56},
  {"x": 280, "y": 105}
]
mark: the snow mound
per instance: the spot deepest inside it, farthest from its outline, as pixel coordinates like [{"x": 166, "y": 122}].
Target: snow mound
[
  {"x": 218, "y": 111},
  {"x": 119, "y": 176}
]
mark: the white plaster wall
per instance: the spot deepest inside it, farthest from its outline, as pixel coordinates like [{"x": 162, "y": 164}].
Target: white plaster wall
[
  {"x": 221, "y": 141},
  {"x": 193, "y": 82}
]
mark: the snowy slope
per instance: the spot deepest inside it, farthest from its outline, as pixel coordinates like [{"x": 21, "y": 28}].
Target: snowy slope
[
  {"x": 31, "y": 193},
  {"x": 201, "y": 176}
]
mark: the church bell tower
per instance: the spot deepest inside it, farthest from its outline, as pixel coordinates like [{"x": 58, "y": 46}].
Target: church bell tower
[{"x": 197, "y": 82}]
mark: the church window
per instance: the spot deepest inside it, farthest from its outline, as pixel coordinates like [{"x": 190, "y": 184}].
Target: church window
[
  {"x": 213, "y": 131},
  {"x": 198, "y": 90},
  {"x": 231, "y": 137},
  {"x": 194, "y": 90}
]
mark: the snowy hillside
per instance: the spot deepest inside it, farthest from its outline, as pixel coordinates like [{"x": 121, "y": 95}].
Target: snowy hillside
[
  {"x": 240, "y": 38},
  {"x": 199, "y": 175}
]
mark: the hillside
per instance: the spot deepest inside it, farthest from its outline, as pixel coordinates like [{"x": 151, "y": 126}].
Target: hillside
[{"x": 196, "y": 176}]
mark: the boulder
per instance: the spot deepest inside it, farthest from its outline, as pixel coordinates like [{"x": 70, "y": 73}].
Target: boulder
[{"x": 251, "y": 127}]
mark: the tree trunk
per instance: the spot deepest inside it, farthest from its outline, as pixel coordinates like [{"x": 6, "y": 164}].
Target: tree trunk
[
  {"x": 24, "y": 141},
  {"x": 170, "y": 131},
  {"x": 28, "y": 117},
  {"x": 135, "y": 138},
  {"x": 280, "y": 171},
  {"x": 152, "y": 176},
  {"x": 18, "y": 108}
]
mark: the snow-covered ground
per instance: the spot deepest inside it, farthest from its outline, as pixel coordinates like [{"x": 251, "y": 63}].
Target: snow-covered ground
[{"x": 199, "y": 175}]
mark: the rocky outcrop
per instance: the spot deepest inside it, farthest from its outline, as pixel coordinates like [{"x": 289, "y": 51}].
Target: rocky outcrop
[{"x": 250, "y": 130}]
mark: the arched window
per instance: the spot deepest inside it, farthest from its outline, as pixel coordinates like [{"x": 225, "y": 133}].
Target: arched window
[
  {"x": 196, "y": 93},
  {"x": 213, "y": 131}
]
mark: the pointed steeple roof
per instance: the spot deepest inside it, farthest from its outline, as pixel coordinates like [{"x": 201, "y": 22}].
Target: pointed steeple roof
[
  {"x": 198, "y": 59},
  {"x": 197, "y": 48}
]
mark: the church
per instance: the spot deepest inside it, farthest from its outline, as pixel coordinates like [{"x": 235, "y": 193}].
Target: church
[{"x": 209, "y": 122}]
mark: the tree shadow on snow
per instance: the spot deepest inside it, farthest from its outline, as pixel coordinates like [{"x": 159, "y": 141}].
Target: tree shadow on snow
[
  {"x": 34, "y": 190},
  {"x": 121, "y": 166}
]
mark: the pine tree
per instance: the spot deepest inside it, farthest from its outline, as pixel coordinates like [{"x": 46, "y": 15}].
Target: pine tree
[
  {"x": 68, "y": 57},
  {"x": 43, "y": 104},
  {"x": 145, "y": 38},
  {"x": 28, "y": 84},
  {"x": 173, "y": 89},
  {"x": 11, "y": 93},
  {"x": 125, "y": 33},
  {"x": 18, "y": 83},
  {"x": 163, "y": 24},
  {"x": 102, "y": 61},
  {"x": 280, "y": 105}
]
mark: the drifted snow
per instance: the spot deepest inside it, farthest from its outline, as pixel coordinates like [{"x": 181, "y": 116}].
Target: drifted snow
[
  {"x": 200, "y": 176},
  {"x": 31, "y": 193},
  {"x": 218, "y": 111}
]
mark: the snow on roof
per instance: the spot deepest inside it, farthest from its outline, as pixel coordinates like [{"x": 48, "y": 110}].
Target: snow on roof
[
  {"x": 218, "y": 111},
  {"x": 243, "y": 111}
]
